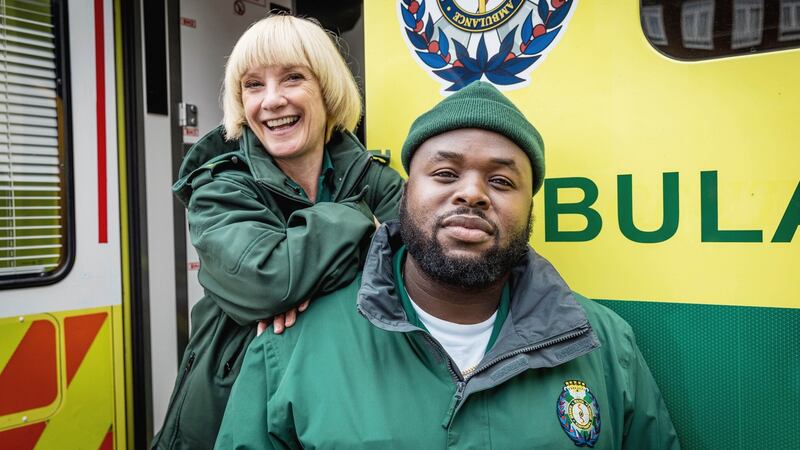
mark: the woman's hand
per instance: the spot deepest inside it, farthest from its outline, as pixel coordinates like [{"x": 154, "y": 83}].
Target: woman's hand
[{"x": 282, "y": 321}]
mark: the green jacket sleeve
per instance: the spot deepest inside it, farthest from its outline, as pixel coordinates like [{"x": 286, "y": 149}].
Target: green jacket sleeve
[
  {"x": 385, "y": 190},
  {"x": 246, "y": 418},
  {"x": 254, "y": 265},
  {"x": 647, "y": 421}
]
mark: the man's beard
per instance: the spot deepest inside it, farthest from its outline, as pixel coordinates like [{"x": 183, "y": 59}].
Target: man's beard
[{"x": 461, "y": 271}]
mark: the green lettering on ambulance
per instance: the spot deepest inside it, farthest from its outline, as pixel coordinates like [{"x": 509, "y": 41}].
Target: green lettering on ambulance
[
  {"x": 790, "y": 220},
  {"x": 552, "y": 209},
  {"x": 669, "y": 223},
  {"x": 709, "y": 215}
]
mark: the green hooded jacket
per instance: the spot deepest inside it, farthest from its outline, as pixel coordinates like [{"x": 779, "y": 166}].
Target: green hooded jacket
[
  {"x": 263, "y": 248},
  {"x": 563, "y": 371}
]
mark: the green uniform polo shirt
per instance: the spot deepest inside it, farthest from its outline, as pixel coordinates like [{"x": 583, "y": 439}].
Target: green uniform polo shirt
[{"x": 325, "y": 186}]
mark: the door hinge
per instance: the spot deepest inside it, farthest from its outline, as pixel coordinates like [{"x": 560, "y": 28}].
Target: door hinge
[{"x": 187, "y": 115}]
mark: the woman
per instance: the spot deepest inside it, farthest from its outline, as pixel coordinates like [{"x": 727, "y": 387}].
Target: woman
[{"x": 281, "y": 199}]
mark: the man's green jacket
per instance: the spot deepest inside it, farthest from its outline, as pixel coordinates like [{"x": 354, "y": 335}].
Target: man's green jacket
[
  {"x": 264, "y": 248},
  {"x": 564, "y": 371}
]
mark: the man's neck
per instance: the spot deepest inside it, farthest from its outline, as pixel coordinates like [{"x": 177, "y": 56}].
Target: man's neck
[{"x": 451, "y": 303}]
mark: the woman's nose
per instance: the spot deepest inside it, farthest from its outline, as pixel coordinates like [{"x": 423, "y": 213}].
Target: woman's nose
[{"x": 274, "y": 98}]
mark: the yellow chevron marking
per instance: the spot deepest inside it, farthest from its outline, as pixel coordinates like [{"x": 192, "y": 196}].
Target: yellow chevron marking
[
  {"x": 87, "y": 408},
  {"x": 11, "y": 333}
]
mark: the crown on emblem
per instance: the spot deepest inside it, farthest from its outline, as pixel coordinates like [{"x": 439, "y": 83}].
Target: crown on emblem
[{"x": 576, "y": 388}]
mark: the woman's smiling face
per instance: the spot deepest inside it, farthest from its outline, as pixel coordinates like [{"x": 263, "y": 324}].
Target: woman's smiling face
[{"x": 285, "y": 110}]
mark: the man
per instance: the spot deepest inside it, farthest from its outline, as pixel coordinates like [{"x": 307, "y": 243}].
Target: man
[{"x": 457, "y": 335}]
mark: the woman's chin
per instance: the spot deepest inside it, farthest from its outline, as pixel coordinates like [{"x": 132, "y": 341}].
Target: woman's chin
[{"x": 289, "y": 150}]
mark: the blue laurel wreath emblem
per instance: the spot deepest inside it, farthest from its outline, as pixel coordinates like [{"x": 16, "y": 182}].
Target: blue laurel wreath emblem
[
  {"x": 501, "y": 68},
  {"x": 586, "y": 431}
]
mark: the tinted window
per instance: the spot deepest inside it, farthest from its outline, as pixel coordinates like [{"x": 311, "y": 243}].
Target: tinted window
[
  {"x": 701, "y": 29},
  {"x": 33, "y": 163}
]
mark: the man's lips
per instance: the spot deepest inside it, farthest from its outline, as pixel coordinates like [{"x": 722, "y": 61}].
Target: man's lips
[
  {"x": 469, "y": 222},
  {"x": 468, "y": 228}
]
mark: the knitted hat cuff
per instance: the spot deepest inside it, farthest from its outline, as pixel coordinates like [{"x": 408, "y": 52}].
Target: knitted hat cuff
[{"x": 479, "y": 105}]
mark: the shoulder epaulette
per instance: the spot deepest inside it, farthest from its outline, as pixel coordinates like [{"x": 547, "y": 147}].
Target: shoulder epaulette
[{"x": 381, "y": 156}]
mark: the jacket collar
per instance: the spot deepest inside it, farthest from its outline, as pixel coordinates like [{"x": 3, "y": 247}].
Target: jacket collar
[
  {"x": 542, "y": 308},
  {"x": 343, "y": 149},
  {"x": 348, "y": 156}
]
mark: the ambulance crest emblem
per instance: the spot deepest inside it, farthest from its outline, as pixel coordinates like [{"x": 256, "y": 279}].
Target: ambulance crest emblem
[
  {"x": 501, "y": 41},
  {"x": 579, "y": 413}
]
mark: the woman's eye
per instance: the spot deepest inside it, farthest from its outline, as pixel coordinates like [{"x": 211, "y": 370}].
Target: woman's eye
[
  {"x": 294, "y": 76},
  {"x": 250, "y": 84}
]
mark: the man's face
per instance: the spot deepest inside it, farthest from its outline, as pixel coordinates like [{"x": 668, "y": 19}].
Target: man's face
[{"x": 465, "y": 215}]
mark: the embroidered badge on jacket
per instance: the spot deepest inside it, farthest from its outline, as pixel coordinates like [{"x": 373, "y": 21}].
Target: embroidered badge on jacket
[{"x": 579, "y": 413}]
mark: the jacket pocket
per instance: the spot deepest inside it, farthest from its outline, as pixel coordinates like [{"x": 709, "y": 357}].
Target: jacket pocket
[
  {"x": 230, "y": 361},
  {"x": 170, "y": 430}
]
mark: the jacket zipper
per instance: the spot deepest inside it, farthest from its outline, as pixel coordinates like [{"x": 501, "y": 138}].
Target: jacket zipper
[
  {"x": 531, "y": 348},
  {"x": 230, "y": 362},
  {"x": 189, "y": 364},
  {"x": 451, "y": 409},
  {"x": 357, "y": 180},
  {"x": 186, "y": 369},
  {"x": 461, "y": 385}
]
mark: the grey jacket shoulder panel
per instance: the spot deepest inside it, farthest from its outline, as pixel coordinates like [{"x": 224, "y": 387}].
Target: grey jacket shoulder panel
[{"x": 603, "y": 316}]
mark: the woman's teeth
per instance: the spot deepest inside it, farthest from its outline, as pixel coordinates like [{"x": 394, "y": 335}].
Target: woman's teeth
[{"x": 282, "y": 122}]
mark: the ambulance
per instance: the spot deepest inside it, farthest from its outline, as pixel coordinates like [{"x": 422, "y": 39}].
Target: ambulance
[{"x": 672, "y": 193}]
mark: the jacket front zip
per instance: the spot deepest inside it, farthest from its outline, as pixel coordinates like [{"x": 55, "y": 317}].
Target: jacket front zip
[
  {"x": 461, "y": 382},
  {"x": 455, "y": 405},
  {"x": 531, "y": 348}
]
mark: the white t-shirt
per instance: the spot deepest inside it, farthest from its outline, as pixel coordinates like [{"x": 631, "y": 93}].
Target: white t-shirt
[{"x": 466, "y": 344}]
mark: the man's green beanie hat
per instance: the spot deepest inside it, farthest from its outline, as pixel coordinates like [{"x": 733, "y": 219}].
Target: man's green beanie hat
[{"x": 479, "y": 105}]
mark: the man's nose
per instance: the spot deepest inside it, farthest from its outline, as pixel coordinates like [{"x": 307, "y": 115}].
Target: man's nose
[{"x": 472, "y": 192}]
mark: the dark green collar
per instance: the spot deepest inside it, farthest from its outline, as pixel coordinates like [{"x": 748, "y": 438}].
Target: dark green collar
[
  {"x": 324, "y": 185},
  {"x": 413, "y": 319}
]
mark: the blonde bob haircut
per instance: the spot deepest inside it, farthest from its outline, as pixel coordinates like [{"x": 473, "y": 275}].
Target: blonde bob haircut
[{"x": 288, "y": 41}]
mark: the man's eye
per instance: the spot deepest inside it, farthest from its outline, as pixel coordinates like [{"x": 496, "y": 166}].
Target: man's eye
[
  {"x": 502, "y": 182},
  {"x": 444, "y": 174}
]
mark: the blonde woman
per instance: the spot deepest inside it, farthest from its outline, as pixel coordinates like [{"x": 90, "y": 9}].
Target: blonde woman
[{"x": 281, "y": 200}]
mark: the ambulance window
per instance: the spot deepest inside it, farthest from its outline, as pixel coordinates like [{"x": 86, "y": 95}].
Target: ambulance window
[
  {"x": 704, "y": 29},
  {"x": 35, "y": 236}
]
